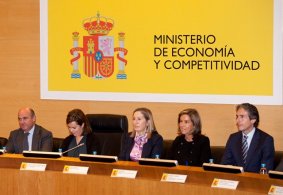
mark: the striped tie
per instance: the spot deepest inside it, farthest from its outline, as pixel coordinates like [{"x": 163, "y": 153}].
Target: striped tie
[{"x": 244, "y": 148}]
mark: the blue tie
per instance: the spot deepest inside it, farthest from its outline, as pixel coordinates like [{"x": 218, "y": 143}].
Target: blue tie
[{"x": 244, "y": 148}]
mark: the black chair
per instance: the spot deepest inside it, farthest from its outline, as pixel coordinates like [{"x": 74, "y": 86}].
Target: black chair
[
  {"x": 167, "y": 144},
  {"x": 109, "y": 129},
  {"x": 277, "y": 158},
  {"x": 217, "y": 153},
  {"x": 57, "y": 142},
  {"x": 3, "y": 142}
]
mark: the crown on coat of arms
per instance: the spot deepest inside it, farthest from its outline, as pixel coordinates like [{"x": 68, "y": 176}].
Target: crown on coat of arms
[{"x": 98, "y": 25}]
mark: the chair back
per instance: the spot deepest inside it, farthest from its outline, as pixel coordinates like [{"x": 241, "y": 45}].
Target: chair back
[
  {"x": 3, "y": 142},
  {"x": 109, "y": 129},
  {"x": 57, "y": 143}
]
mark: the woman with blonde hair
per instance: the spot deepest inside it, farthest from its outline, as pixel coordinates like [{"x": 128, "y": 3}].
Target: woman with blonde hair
[{"x": 144, "y": 141}]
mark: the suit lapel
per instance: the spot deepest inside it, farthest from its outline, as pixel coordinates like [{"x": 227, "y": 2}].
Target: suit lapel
[
  {"x": 239, "y": 149},
  {"x": 147, "y": 148},
  {"x": 130, "y": 145},
  {"x": 20, "y": 140},
  {"x": 253, "y": 146},
  {"x": 35, "y": 139}
]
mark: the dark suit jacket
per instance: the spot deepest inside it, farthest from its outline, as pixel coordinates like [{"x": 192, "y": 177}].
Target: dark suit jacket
[
  {"x": 152, "y": 147},
  {"x": 196, "y": 155},
  {"x": 92, "y": 144},
  {"x": 261, "y": 150},
  {"x": 42, "y": 140}
]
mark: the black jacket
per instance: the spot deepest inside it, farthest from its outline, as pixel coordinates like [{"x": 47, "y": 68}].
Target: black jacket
[
  {"x": 193, "y": 153},
  {"x": 92, "y": 144},
  {"x": 152, "y": 147}
]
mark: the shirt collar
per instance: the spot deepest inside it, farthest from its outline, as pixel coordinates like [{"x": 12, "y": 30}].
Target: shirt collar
[
  {"x": 251, "y": 133},
  {"x": 32, "y": 130}
]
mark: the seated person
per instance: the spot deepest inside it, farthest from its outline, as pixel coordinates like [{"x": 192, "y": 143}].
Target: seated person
[
  {"x": 80, "y": 132},
  {"x": 249, "y": 147},
  {"x": 29, "y": 136},
  {"x": 144, "y": 141},
  {"x": 190, "y": 147}
]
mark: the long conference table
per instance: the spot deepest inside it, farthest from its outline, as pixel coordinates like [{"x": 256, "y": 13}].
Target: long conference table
[{"x": 98, "y": 180}]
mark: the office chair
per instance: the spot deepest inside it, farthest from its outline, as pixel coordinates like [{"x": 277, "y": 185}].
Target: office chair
[
  {"x": 57, "y": 142},
  {"x": 109, "y": 129},
  {"x": 3, "y": 142}
]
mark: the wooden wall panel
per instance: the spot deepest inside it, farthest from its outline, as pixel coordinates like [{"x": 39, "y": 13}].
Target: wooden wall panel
[{"x": 20, "y": 87}]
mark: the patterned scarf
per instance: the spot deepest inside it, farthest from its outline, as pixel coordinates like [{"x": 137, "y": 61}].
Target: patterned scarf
[{"x": 136, "y": 152}]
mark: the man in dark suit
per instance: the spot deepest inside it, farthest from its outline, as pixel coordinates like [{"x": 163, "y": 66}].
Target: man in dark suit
[
  {"x": 250, "y": 146},
  {"x": 29, "y": 136}
]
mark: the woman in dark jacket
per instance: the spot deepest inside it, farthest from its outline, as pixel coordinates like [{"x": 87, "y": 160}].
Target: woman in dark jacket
[
  {"x": 144, "y": 141},
  {"x": 80, "y": 136},
  {"x": 190, "y": 147}
]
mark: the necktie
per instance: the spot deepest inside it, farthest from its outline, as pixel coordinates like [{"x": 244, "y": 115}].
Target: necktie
[
  {"x": 25, "y": 143},
  {"x": 244, "y": 148}
]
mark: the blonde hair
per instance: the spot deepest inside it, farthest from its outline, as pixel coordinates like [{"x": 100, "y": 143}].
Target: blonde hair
[{"x": 149, "y": 118}]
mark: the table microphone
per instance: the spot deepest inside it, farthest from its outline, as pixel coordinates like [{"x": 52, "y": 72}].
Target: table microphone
[{"x": 73, "y": 148}]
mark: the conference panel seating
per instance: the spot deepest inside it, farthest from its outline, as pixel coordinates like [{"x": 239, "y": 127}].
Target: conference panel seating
[
  {"x": 109, "y": 129},
  {"x": 216, "y": 152}
]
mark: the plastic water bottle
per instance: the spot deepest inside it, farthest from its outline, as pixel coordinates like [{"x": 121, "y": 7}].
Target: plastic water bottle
[
  {"x": 263, "y": 169},
  {"x": 211, "y": 161},
  {"x": 94, "y": 152}
]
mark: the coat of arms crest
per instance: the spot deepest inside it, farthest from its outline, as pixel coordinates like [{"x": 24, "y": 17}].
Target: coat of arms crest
[{"x": 98, "y": 50}]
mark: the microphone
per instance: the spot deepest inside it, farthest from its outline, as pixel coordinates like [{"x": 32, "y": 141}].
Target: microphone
[{"x": 73, "y": 148}]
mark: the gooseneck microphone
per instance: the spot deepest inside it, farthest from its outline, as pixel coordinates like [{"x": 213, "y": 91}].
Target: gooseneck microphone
[{"x": 73, "y": 148}]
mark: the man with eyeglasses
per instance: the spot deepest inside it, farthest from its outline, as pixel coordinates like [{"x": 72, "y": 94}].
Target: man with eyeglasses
[
  {"x": 29, "y": 136},
  {"x": 249, "y": 147}
]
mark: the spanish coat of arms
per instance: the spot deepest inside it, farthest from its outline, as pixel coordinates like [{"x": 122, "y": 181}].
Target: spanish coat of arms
[{"x": 98, "y": 50}]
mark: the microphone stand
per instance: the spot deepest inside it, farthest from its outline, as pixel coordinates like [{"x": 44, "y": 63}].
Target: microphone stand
[{"x": 73, "y": 148}]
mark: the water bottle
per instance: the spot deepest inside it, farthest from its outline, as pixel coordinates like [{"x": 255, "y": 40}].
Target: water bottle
[
  {"x": 263, "y": 169},
  {"x": 94, "y": 152},
  {"x": 211, "y": 161},
  {"x": 60, "y": 150}
]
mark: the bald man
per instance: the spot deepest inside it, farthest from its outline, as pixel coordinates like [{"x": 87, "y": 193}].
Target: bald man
[{"x": 29, "y": 136}]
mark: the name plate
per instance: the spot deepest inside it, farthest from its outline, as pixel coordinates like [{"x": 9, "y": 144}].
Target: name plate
[
  {"x": 222, "y": 183},
  {"x": 275, "y": 190},
  {"x": 177, "y": 178},
  {"x": 32, "y": 166},
  {"x": 124, "y": 173},
  {"x": 75, "y": 169}
]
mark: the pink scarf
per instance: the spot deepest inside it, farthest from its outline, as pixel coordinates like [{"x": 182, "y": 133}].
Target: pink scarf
[{"x": 136, "y": 152}]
